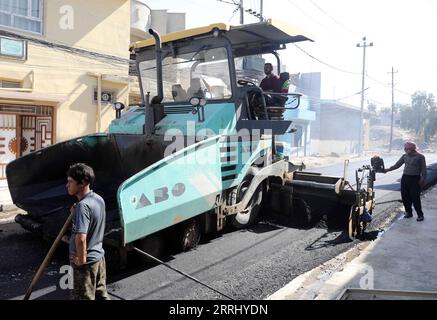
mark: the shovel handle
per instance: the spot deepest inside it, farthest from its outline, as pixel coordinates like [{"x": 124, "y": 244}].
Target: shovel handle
[{"x": 48, "y": 256}]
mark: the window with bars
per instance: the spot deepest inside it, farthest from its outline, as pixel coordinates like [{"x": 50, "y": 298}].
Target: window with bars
[
  {"x": 9, "y": 84},
  {"x": 25, "y": 15}
]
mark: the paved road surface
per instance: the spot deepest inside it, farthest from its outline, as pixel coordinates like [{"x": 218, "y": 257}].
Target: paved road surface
[{"x": 249, "y": 264}]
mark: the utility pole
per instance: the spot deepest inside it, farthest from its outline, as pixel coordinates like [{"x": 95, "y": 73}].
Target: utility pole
[
  {"x": 240, "y": 7},
  {"x": 261, "y": 9},
  {"x": 363, "y": 45},
  {"x": 392, "y": 107},
  {"x": 241, "y": 12}
]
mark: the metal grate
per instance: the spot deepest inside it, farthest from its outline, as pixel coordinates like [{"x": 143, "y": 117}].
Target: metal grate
[
  {"x": 177, "y": 110},
  {"x": 361, "y": 294},
  {"x": 228, "y": 159},
  {"x": 30, "y": 110}
]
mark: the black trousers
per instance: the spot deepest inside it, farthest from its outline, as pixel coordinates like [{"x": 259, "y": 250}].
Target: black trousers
[{"x": 410, "y": 190}]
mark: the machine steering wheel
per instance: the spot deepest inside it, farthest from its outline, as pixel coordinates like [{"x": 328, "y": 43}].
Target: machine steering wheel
[{"x": 246, "y": 82}]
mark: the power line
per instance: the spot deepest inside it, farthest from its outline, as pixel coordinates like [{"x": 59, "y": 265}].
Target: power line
[
  {"x": 64, "y": 48},
  {"x": 332, "y": 18},
  {"x": 353, "y": 73},
  {"x": 306, "y": 14},
  {"x": 64, "y": 64},
  {"x": 233, "y": 15},
  {"x": 325, "y": 63},
  {"x": 117, "y": 62},
  {"x": 350, "y": 96},
  {"x": 350, "y": 31},
  {"x": 377, "y": 81},
  {"x": 376, "y": 101},
  {"x": 404, "y": 92},
  {"x": 388, "y": 86},
  {"x": 240, "y": 7},
  {"x": 229, "y": 2}
]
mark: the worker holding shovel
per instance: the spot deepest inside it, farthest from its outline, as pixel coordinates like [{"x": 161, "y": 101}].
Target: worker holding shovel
[{"x": 87, "y": 256}]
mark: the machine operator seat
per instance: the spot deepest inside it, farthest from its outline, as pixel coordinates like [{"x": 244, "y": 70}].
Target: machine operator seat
[
  {"x": 196, "y": 89},
  {"x": 178, "y": 93},
  {"x": 257, "y": 104}
]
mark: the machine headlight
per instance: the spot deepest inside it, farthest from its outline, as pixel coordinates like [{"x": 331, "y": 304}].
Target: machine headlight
[
  {"x": 118, "y": 106},
  {"x": 202, "y": 102},
  {"x": 216, "y": 33},
  {"x": 194, "y": 101}
]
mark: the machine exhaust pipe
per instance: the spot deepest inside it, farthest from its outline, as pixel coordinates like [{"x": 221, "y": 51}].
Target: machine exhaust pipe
[
  {"x": 158, "y": 99},
  {"x": 152, "y": 109}
]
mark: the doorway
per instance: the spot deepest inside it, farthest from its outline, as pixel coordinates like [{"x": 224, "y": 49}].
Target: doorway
[{"x": 23, "y": 130}]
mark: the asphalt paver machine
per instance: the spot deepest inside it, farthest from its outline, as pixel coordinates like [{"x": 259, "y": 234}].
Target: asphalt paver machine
[{"x": 200, "y": 153}]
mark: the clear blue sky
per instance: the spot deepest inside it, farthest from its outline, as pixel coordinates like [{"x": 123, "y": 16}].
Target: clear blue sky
[{"x": 402, "y": 32}]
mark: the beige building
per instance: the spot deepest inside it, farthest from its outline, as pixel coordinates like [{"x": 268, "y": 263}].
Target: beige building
[{"x": 62, "y": 63}]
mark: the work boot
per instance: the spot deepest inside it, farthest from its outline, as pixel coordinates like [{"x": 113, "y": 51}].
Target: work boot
[
  {"x": 420, "y": 219},
  {"x": 408, "y": 215}
]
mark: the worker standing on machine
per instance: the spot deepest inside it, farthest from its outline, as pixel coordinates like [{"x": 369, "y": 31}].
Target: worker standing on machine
[
  {"x": 87, "y": 255},
  {"x": 271, "y": 83},
  {"x": 413, "y": 179}
]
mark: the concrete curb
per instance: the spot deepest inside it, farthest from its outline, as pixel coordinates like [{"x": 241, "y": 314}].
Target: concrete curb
[
  {"x": 357, "y": 273},
  {"x": 339, "y": 281},
  {"x": 307, "y": 285},
  {"x": 331, "y": 279}
]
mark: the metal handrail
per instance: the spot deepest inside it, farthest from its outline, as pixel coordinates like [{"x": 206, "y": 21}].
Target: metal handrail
[{"x": 297, "y": 97}]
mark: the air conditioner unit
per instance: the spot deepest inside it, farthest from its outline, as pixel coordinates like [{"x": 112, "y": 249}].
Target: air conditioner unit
[{"x": 106, "y": 97}]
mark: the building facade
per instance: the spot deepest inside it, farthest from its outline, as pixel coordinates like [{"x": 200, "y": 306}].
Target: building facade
[
  {"x": 336, "y": 126},
  {"x": 338, "y": 132},
  {"x": 62, "y": 64}
]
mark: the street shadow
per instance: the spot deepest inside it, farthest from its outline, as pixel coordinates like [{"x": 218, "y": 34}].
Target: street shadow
[
  {"x": 324, "y": 241},
  {"x": 342, "y": 238},
  {"x": 278, "y": 220},
  {"x": 370, "y": 236},
  {"x": 263, "y": 227}
]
